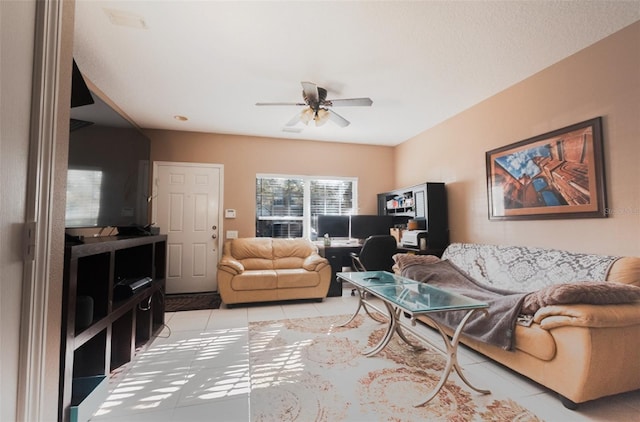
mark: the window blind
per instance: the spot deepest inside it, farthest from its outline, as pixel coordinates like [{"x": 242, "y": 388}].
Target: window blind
[{"x": 288, "y": 206}]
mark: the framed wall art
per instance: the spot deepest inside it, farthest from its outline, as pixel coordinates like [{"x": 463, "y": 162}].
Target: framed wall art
[{"x": 559, "y": 174}]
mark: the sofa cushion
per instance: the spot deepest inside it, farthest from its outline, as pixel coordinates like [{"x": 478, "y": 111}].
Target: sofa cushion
[
  {"x": 496, "y": 326},
  {"x": 535, "y": 341},
  {"x": 255, "y": 280},
  {"x": 625, "y": 270},
  {"x": 297, "y": 277},
  {"x": 590, "y": 316},
  {"x": 526, "y": 269},
  {"x": 402, "y": 260},
  {"x": 588, "y": 292}
]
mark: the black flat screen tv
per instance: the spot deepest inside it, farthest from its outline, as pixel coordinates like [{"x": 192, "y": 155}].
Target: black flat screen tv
[
  {"x": 363, "y": 226},
  {"x": 108, "y": 172}
]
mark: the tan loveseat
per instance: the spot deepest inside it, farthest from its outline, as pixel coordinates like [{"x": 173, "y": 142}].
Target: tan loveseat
[
  {"x": 581, "y": 351},
  {"x": 265, "y": 269}
]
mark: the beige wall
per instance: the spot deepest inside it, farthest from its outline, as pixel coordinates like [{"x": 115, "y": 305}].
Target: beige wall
[
  {"x": 243, "y": 157},
  {"x": 602, "y": 80}
]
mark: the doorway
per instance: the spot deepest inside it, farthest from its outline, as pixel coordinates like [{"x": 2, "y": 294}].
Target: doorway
[{"x": 187, "y": 205}]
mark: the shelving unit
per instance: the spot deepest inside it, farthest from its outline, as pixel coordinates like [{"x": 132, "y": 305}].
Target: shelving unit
[
  {"x": 103, "y": 336},
  {"x": 426, "y": 202},
  {"x": 400, "y": 204}
]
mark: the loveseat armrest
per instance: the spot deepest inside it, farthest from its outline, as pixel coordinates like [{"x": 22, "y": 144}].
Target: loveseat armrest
[
  {"x": 314, "y": 262},
  {"x": 581, "y": 315},
  {"x": 230, "y": 265}
]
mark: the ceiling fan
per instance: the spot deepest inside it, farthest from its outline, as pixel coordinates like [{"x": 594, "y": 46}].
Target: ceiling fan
[{"x": 318, "y": 108}]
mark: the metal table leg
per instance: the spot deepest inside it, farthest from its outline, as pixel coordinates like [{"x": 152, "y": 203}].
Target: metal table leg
[
  {"x": 452, "y": 358},
  {"x": 393, "y": 326},
  {"x": 363, "y": 304}
]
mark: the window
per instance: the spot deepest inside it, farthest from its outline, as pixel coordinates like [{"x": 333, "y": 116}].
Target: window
[
  {"x": 83, "y": 197},
  {"x": 288, "y": 206}
]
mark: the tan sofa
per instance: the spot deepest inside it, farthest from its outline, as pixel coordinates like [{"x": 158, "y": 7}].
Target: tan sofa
[
  {"x": 581, "y": 351},
  {"x": 265, "y": 269}
]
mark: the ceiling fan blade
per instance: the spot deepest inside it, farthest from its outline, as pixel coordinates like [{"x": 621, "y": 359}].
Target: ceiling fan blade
[
  {"x": 294, "y": 120},
  {"x": 349, "y": 102},
  {"x": 310, "y": 92},
  {"x": 337, "y": 119},
  {"x": 280, "y": 104}
]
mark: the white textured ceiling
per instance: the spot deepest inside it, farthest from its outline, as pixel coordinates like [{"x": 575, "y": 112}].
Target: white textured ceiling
[{"x": 420, "y": 62}]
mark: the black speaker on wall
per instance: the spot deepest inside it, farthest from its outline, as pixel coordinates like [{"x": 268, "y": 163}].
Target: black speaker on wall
[{"x": 80, "y": 94}]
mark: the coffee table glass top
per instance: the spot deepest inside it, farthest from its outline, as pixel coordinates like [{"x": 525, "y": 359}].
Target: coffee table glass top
[
  {"x": 410, "y": 295},
  {"x": 374, "y": 278},
  {"x": 421, "y": 298}
]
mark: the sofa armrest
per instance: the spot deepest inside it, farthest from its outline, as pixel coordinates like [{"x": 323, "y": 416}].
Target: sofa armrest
[
  {"x": 314, "y": 262},
  {"x": 580, "y": 315},
  {"x": 230, "y": 265}
]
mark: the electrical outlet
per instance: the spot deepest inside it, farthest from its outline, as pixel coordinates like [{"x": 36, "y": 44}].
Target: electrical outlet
[{"x": 232, "y": 234}]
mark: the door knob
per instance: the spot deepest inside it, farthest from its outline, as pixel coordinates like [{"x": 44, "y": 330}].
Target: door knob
[{"x": 213, "y": 236}]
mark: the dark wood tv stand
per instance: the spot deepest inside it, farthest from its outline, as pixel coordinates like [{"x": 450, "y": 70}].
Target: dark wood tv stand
[{"x": 93, "y": 344}]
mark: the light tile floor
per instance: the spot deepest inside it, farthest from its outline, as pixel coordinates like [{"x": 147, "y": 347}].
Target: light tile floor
[{"x": 197, "y": 369}]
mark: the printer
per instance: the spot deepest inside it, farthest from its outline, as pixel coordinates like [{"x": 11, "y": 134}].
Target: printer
[{"x": 415, "y": 239}]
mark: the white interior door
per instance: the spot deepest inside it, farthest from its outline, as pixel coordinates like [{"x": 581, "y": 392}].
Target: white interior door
[{"x": 186, "y": 207}]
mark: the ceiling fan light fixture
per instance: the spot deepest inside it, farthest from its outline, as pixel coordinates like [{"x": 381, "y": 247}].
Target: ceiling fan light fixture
[
  {"x": 306, "y": 115},
  {"x": 321, "y": 117}
]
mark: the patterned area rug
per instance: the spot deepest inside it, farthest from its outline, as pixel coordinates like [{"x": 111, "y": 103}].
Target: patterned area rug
[
  {"x": 309, "y": 369},
  {"x": 191, "y": 302}
]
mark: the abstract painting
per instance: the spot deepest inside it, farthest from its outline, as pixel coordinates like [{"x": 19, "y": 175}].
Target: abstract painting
[{"x": 558, "y": 174}]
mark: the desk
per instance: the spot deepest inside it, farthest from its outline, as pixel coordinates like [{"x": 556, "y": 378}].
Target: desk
[{"x": 339, "y": 256}]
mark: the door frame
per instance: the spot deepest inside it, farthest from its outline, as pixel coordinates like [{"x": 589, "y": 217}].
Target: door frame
[
  {"x": 154, "y": 194},
  {"x": 43, "y": 230}
]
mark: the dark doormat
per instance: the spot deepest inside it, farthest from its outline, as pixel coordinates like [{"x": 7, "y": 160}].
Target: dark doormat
[{"x": 191, "y": 302}]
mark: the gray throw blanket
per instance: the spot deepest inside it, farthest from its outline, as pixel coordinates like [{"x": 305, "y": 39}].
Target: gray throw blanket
[{"x": 497, "y": 327}]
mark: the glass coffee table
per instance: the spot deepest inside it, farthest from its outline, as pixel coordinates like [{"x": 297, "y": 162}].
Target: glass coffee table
[{"x": 403, "y": 296}]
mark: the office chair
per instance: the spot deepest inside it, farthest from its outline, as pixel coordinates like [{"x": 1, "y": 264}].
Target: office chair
[{"x": 376, "y": 255}]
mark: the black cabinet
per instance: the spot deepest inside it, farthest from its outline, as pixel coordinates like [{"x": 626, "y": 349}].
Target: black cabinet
[
  {"x": 339, "y": 256},
  {"x": 426, "y": 203},
  {"x": 101, "y": 332}
]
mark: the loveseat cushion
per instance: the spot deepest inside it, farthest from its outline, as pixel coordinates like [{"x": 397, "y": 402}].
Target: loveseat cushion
[
  {"x": 253, "y": 253},
  {"x": 288, "y": 278},
  {"x": 314, "y": 262},
  {"x": 291, "y": 253},
  {"x": 589, "y": 292},
  {"x": 255, "y": 280},
  {"x": 231, "y": 266},
  {"x": 300, "y": 248}
]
